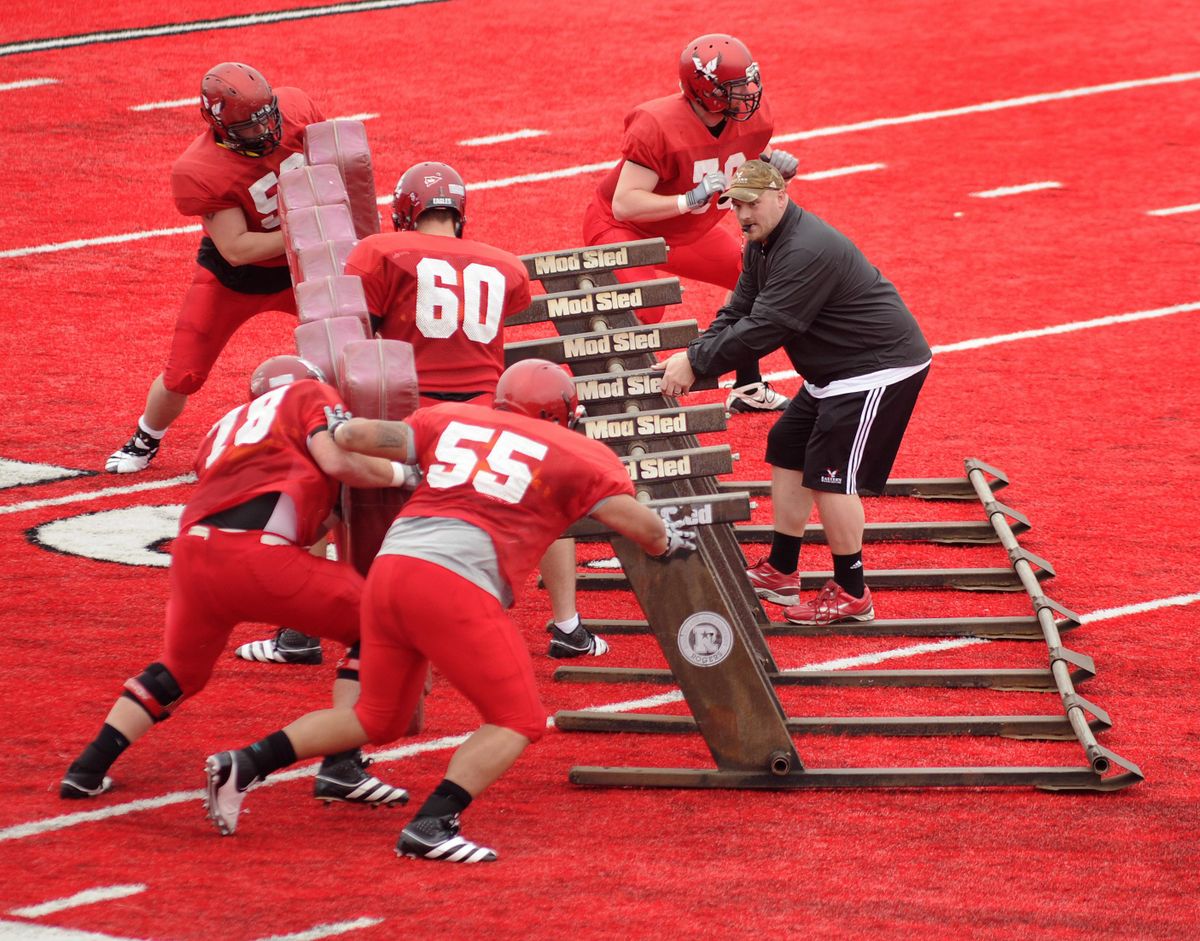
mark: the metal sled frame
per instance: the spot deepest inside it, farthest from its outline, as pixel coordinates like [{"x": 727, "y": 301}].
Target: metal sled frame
[{"x": 731, "y": 696}]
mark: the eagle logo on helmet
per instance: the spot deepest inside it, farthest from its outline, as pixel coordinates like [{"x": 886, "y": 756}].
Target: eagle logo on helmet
[{"x": 709, "y": 69}]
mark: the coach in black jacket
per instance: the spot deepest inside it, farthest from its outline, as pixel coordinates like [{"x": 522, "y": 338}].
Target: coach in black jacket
[{"x": 807, "y": 288}]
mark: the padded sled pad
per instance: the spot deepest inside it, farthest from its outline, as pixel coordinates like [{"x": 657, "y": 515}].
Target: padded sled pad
[
  {"x": 321, "y": 342},
  {"x": 335, "y": 296},
  {"x": 325, "y": 260},
  {"x": 311, "y": 226},
  {"x": 343, "y": 144}
]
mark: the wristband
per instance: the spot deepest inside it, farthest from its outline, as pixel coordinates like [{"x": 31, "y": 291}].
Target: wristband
[
  {"x": 399, "y": 474},
  {"x": 681, "y": 202}
]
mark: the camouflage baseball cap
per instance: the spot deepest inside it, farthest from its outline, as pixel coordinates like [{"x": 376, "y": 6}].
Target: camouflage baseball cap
[{"x": 751, "y": 179}]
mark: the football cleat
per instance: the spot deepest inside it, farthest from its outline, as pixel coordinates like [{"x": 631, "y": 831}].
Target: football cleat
[
  {"x": 756, "y": 397},
  {"x": 287, "y": 646},
  {"x": 579, "y": 643},
  {"x": 230, "y": 775},
  {"x": 135, "y": 456},
  {"x": 831, "y": 606},
  {"x": 347, "y": 781},
  {"x": 437, "y": 838},
  {"x": 770, "y": 584},
  {"x": 78, "y": 785}
]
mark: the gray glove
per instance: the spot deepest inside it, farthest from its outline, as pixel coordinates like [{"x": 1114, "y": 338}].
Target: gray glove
[
  {"x": 712, "y": 184},
  {"x": 681, "y": 533},
  {"x": 785, "y": 163},
  {"x": 335, "y": 417}
]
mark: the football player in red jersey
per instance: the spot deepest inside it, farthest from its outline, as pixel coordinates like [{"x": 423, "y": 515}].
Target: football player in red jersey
[
  {"x": 677, "y": 155},
  {"x": 499, "y": 486},
  {"x": 269, "y": 474},
  {"x": 449, "y": 297},
  {"x": 228, "y": 177}
]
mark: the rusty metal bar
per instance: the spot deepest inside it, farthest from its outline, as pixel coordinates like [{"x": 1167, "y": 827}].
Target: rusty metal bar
[{"x": 1075, "y": 706}]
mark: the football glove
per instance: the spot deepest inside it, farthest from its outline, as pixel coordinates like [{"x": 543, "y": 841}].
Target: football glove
[
  {"x": 681, "y": 533},
  {"x": 785, "y": 163},
  {"x": 335, "y": 417},
  {"x": 712, "y": 184}
]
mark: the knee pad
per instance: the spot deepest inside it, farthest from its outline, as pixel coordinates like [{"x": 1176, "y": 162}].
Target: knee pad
[
  {"x": 155, "y": 690},
  {"x": 347, "y": 668}
]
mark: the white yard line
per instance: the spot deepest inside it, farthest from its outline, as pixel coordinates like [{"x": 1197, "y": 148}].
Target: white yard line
[
  {"x": 522, "y": 134},
  {"x": 27, "y": 83},
  {"x": 566, "y": 172},
  {"x": 98, "y": 494},
  {"x": 177, "y": 29},
  {"x": 317, "y": 932},
  {"x": 447, "y": 743},
  {"x": 105, "y": 893},
  {"x": 1017, "y": 190},
  {"x": 1174, "y": 210},
  {"x": 192, "y": 100}
]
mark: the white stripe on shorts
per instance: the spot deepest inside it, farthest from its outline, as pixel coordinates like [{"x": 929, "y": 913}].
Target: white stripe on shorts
[{"x": 869, "y": 410}]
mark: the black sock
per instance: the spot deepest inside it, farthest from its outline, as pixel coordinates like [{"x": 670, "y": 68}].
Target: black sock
[
  {"x": 848, "y": 572},
  {"x": 785, "y": 552},
  {"x": 272, "y": 753},
  {"x": 339, "y": 757},
  {"x": 447, "y": 798},
  {"x": 747, "y": 375},
  {"x": 103, "y": 750}
]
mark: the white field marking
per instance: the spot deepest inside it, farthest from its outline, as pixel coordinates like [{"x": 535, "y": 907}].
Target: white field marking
[
  {"x": 1000, "y": 105},
  {"x": 1107, "y": 614},
  {"x": 27, "y": 83},
  {"x": 1015, "y": 190},
  {"x": 1174, "y": 210},
  {"x": 841, "y": 171},
  {"x": 86, "y": 897},
  {"x": 98, "y": 494},
  {"x": 364, "y": 116},
  {"x": 99, "y": 240},
  {"x": 62, "y": 822},
  {"x": 27, "y": 931},
  {"x": 228, "y": 22},
  {"x": 1028, "y": 334},
  {"x": 326, "y": 931},
  {"x": 502, "y": 138},
  {"x": 175, "y": 103},
  {"x": 609, "y": 164}
]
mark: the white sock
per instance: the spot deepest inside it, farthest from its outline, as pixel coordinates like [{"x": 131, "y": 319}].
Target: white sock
[
  {"x": 152, "y": 432},
  {"x": 569, "y": 625}
]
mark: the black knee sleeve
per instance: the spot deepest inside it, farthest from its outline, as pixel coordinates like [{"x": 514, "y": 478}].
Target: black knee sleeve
[{"x": 155, "y": 690}]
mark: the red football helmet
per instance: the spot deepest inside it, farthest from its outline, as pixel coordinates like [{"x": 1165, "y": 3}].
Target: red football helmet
[
  {"x": 540, "y": 389},
  {"x": 428, "y": 185},
  {"x": 717, "y": 73},
  {"x": 241, "y": 108},
  {"x": 281, "y": 370}
]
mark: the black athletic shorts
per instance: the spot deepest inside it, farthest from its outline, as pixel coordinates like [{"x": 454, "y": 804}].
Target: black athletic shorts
[{"x": 844, "y": 443}]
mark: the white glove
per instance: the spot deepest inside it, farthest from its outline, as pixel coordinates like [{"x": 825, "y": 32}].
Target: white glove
[
  {"x": 785, "y": 163},
  {"x": 406, "y": 476},
  {"x": 681, "y": 533},
  {"x": 334, "y": 418},
  {"x": 712, "y": 184}
]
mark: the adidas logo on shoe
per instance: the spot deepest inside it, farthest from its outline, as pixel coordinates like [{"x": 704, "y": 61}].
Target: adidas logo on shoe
[
  {"x": 347, "y": 781},
  {"x": 287, "y": 646},
  {"x": 437, "y": 838},
  {"x": 135, "y": 456}
]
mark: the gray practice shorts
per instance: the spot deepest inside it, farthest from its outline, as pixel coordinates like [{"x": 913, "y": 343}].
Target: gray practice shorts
[{"x": 844, "y": 443}]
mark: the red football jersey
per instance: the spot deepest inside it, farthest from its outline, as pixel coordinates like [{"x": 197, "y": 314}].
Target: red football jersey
[
  {"x": 208, "y": 178},
  {"x": 666, "y": 136},
  {"x": 448, "y": 297},
  {"x": 521, "y": 480},
  {"x": 262, "y": 447}
]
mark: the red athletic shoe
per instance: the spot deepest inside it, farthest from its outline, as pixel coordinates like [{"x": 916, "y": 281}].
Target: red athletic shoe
[
  {"x": 770, "y": 584},
  {"x": 832, "y": 605}
]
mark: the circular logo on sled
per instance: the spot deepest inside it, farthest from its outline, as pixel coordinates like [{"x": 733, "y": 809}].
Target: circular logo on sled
[{"x": 705, "y": 639}]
